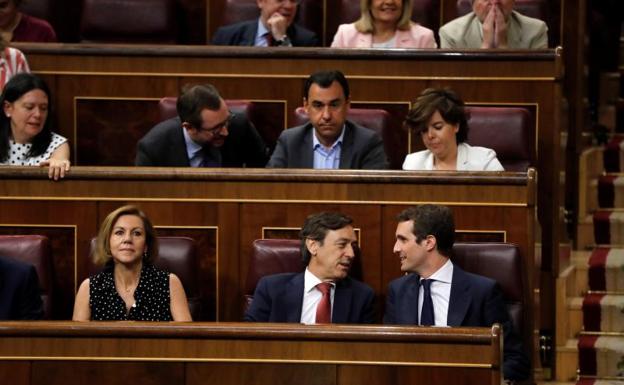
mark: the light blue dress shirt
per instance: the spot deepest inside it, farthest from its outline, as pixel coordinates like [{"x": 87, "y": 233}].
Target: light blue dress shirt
[
  {"x": 193, "y": 150},
  {"x": 325, "y": 158},
  {"x": 261, "y": 40}
]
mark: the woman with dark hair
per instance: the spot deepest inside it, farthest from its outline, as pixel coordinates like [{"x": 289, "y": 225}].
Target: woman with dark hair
[
  {"x": 384, "y": 24},
  {"x": 439, "y": 117},
  {"x": 129, "y": 287},
  {"x": 25, "y": 135}
]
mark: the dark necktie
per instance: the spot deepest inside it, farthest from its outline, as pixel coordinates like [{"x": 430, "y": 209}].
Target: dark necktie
[
  {"x": 323, "y": 309},
  {"x": 426, "y": 314},
  {"x": 269, "y": 39}
]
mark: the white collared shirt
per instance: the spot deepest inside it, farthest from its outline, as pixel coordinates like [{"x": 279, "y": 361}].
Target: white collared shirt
[
  {"x": 312, "y": 296},
  {"x": 440, "y": 293}
]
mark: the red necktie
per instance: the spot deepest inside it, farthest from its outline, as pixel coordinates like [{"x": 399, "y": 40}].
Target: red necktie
[
  {"x": 269, "y": 39},
  {"x": 323, "y": 309}
]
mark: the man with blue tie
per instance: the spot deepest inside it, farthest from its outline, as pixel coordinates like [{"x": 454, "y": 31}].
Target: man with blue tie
[
  {"x": 204, "y": 134},
  {"x": 435, "y": 292},
  {"x": 323, "y": 293}
]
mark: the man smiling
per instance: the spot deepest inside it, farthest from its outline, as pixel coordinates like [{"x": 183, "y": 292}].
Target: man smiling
[
  {"x": 275, "y": 27},
  {"x": 324, "y": 293}
]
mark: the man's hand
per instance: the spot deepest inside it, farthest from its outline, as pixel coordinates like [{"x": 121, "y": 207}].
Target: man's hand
[
  {"x": 489, "y": 29},
  {"x": 278, "y": 25},
  {"x": 500, "y": 29}
]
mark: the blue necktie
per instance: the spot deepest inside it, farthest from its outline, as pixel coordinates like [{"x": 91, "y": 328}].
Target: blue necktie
[{"x": 426, "y": 315}]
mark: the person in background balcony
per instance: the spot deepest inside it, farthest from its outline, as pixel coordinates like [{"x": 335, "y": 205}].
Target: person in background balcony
[
  {"x": 20, "y": 295},
  {"x": 16, "y": 26},
  {"x": 438, "y": 116},
  {"x": 275, "y": 27},
  {"x": 12, "y": 61},
  {"x": 129, "y": 287},
  {"x": 494, "y": 24},
  {"x": 26, "y": 138},
  {"x": 384, "y": 24}
]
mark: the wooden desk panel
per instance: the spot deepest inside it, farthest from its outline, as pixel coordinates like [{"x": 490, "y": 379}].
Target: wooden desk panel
[{"x": 236, "y": 353}]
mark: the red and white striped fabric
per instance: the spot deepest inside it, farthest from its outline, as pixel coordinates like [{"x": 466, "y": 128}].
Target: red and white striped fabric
[
  {"x": 601, "y": 356},
  {"x": 603, "y": 312},
  {"x": 12, "y": 61},
  {"x": 613, "y": 159},
  {"x": 606, "y": 269},
  {"x": 609, "y": 227},
  {"x": 611, "y": 191}
]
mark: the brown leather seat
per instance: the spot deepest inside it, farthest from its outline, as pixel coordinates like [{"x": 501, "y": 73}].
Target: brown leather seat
[
  {"x": 506, "y": 130},
  {"x": 501, "y": 262},
  {"x": 377, "y": 120},
  {"x": 34, "y": 250},
  {"x": 274, "y": 256},
  {"x": 178, "y": 255},
  {"x": 128, "y": 21},
  {"x": 424, "y": 12}
]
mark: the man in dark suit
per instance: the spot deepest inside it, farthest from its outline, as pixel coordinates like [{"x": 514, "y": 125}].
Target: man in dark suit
[
  {"x": 324, "y": 293},
  {"x": 20, "y": 295},
  {"x": 328, "y": 140},
  {"x": 438, "y": 293},
  {"x": 275, "y": 27},
  {"x": 205, "y": 134}
]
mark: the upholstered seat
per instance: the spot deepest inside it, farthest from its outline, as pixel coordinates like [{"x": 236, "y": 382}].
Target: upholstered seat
[
  {"x": 34, "y": 250},
  {"x": 128, "y": 21},
  {"x": 177, "y": 255},
  {"x": 377, "y": 120},
  {"x": 506, "y": 130}
]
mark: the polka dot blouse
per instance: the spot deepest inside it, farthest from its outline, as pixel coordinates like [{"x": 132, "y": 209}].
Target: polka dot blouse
[
  {"x": 152, "y": 300},
  {"x": 18, "y": 151}
]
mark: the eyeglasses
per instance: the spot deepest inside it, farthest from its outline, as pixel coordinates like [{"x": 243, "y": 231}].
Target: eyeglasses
[{"x": 219, "y": 127}]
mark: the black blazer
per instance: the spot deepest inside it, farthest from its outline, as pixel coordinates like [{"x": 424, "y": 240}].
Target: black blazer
[
  {"x": 20, "y": 295},
  {"x": 475, "y": 301},
  {"x": 279, "y": 297},
  {"x": 244, "y": 33},
  {"x": 361, "y": 149},
  {"x": 164, "y": 146}
]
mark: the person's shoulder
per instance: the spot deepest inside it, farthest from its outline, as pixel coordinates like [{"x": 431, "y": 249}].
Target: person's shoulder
[
  {"x": 43, "y": 29},
  {"x": 528, "y": 21},
  {"x": 360, "y": 131},
  {"x": 478, "y": 150},
  {"x": 296, "y": 131},
  {"x": 231, "y": 28},
  {"x": 277, "y": 279},
  {"x": 416, "y": 160},
  {"x": 459, "y": 22},
  {"x": 477, "y": 281},
  {"x": 14, "y": 266},
  {"x": 419, "y": 30},
  {"x": 304, "y": 36},
  {"x": 166, "y": 127},
  {"x": 403, "y": 281}
]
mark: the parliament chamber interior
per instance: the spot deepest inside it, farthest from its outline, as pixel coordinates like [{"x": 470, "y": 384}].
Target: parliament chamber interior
[{"x": 549, "y": 229}]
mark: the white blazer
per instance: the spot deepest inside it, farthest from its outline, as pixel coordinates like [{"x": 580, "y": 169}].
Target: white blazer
[{"x": 468, "y": 159}]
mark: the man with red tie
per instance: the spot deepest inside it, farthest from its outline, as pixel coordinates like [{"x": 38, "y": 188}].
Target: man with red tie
[{"x": 323, "y": 293}]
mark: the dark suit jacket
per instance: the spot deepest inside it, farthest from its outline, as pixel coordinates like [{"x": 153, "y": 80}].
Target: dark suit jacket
[
  {"x": 279, "y": 297},
  {"x": 164, "y": 145},
  {"x": 20, "y": 296},
  {"x": 244, "y": 33},
  {"x": 475, "y": 301},
  {"x": 361, "y": 149}
]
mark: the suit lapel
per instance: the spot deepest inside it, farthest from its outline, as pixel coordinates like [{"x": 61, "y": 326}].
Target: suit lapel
[
  {"x": 403, "y": 39},
  {"x": 364, "y": 40},
  {"x": 407, "y": 314},
  {"x": 473, "y": 36},
  {"x": 346, "y": 149},
  {"x": 179, "y": 152},
  {"x": 306, "y": 156},
  {"x": 514, "y": 34},
  {"x": 249, "y": 35},
  {"x": 459, "y": 302},
  {"x": 293, "y": 299},
  {"x": 342, "y": 301}
]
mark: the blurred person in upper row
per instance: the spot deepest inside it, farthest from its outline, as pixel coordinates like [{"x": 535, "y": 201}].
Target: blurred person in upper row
[
  {"x": 26, "y": 138},
  {"x": 204, "y": 134},
  {"x": 129, "y": 287},
  {"x": 328, "y": 140},
  {"x": 439, "y": 117},
  {"x": 12, "y": 62},
  {"x": 494, "y": 24},
  {"x": 20, "y": 27},
  {"x": 384, "y": 24},
  {"x": 275, "y": 27},
  {"x": 20, "y": 294}
]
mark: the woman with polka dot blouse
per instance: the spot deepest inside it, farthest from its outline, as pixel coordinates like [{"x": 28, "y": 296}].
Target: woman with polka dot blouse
[
  {"x": 25, "y": 135},
  {"x": 129, "y": 287}
]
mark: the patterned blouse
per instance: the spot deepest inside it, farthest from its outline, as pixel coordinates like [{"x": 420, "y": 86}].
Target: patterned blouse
[
  {"x": 152, "y": 300},
  {"x": 17, "y": 152}
]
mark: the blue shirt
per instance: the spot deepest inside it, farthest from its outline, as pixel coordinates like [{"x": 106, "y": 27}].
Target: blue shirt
[
  {"x": 261, "y": 40},
  {"x": 327, "y": 157},
  {"x": 197, "y": 156}
]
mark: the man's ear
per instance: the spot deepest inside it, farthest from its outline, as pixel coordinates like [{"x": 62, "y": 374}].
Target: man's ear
[
  {"x": 312, "y": 246},
  {"x": 431, "y": 243},
  {"x": 306, "y": 106}
]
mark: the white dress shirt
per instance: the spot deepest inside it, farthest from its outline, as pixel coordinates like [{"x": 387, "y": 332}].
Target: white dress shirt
[
  {"x": 469, "y": 158},
  {"x": 440, "y": 293},
  {"x": 312, "y": 296}
]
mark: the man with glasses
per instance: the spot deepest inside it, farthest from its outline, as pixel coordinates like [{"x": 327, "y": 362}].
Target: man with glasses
[
  {"x": 328, "y": 140},
  {"x": 274, "y": 27},
  {"x": 204, "y": 134}
]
